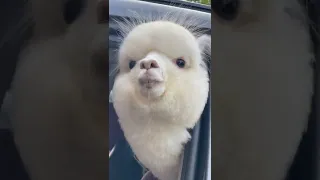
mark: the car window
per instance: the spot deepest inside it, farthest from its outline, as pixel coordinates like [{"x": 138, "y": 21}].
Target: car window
[{"x": 112, "y": 66}]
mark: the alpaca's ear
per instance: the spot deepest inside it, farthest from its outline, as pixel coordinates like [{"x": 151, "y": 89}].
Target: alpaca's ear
[
  {"x": 204, "y": 43},
  {"x": 102, "y": 11}
]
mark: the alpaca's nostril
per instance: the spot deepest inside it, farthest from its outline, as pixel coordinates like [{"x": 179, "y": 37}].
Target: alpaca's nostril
[
  {"x": 148, "y": 64},
  {"x": 142, "y": 65},
  {"x": 154, "y": 64}
]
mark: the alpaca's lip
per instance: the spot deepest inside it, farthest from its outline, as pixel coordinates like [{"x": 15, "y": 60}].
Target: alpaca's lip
[
  {"x": 149, "y": 82},
  {"x": 150, "y": 78}
]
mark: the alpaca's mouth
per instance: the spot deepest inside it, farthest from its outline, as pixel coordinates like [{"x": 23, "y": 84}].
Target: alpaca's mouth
[
  {"x": 149, "y": 82},
  {"x": 151, "y": 88},
  {"x": 150, "y": 79}
]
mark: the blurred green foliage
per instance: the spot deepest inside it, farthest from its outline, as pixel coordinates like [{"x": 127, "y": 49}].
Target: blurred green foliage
[{"x": 206, "y": 2}]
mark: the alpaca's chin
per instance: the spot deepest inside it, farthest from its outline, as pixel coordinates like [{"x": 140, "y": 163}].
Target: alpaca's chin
[{"x": 152, "y": 90}]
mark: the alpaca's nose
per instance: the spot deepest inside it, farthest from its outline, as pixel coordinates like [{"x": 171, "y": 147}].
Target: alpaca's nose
[{"x": 148, "y": 64}]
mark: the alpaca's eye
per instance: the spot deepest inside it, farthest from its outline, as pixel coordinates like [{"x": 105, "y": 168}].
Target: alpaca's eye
[
  {"x": 180, "y": 63},
  {"x": 132, "y": 64},
  {"x": 226, "y": 9}
]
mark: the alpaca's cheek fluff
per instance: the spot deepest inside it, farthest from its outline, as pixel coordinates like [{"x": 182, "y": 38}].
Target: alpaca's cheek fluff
[
  {"x": 123, "y": 89},
  {"x": 182, "y": 102},
  {"x": 185, "y": 99}
]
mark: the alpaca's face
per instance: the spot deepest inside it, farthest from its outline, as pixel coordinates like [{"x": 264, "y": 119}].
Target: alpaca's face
[
  {"x": 158, "y": 56},
  {"x": 161, "y": 66}
]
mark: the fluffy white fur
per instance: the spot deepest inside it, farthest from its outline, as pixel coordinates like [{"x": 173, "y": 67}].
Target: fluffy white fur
[
  {"x": 155, "y": 120},
  {"x": 262, "y": 79},
  {"x": 59, "y": 110}
]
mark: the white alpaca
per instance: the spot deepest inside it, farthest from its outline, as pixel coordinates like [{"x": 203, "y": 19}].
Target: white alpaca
[
  {"x": 60, "y": 97},
  {"x": 262, "y": 88},
  {"x": 160, "y": 91}
]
